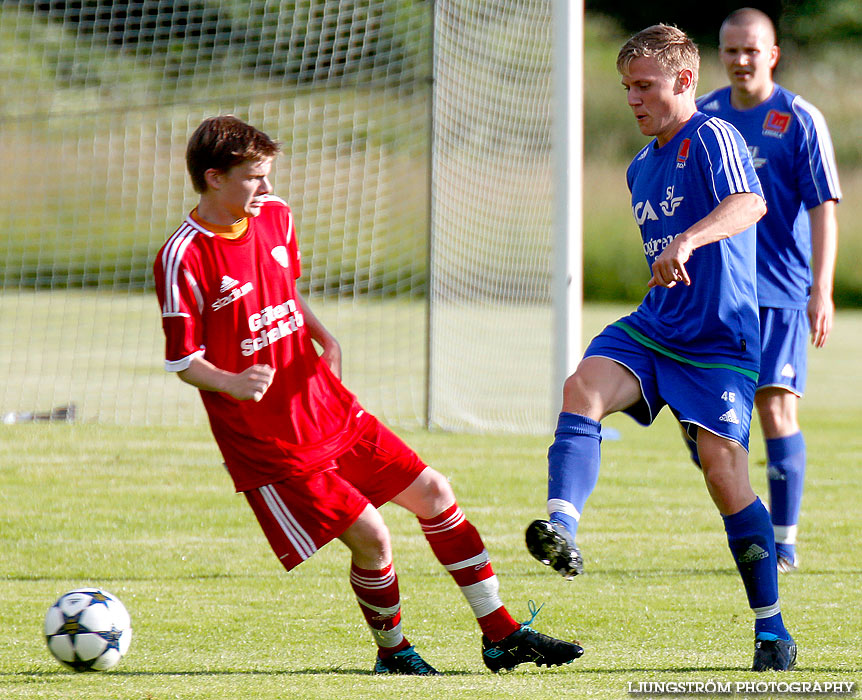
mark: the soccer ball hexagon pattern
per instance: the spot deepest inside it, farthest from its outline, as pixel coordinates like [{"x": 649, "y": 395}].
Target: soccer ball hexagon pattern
[{"x": 88, "y": 629}]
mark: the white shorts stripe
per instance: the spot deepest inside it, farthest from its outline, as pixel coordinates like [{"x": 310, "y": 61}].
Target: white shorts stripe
[{"x": 299, "y": 539}]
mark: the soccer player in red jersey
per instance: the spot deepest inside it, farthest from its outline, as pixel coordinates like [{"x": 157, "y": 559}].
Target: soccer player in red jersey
[{"x": 313, "y": 465}]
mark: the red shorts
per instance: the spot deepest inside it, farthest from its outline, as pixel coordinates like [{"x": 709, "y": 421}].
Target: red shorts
[{"x": 299, "y": 516}]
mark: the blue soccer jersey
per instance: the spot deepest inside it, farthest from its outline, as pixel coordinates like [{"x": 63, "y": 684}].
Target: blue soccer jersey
[
  {"x": 715, "y": 319},
  {"x": 795, "y": 162}
]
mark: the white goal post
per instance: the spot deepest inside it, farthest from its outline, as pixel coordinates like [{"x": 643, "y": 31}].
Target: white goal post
[
  {"x": 396, "y": 117},
  {"x": 505, "y": 293}
]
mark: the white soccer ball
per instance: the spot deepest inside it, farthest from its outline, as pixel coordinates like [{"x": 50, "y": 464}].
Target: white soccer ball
[{"x": 88, "y": 629}]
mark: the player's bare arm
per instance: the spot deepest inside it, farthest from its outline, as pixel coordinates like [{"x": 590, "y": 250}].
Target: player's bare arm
[
  {"x": 330, "y": 348},
  {"x": 734, "y": 214},
  {"x": 250, "y": 384},
  {"x": 824, "y": 250}
]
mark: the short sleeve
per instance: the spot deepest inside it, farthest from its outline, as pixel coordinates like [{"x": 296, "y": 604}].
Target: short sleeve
[
  {"x": 725, "y": 155},
  {"x": 180, "y": 301},
  {"x": 815, "y": 157}
]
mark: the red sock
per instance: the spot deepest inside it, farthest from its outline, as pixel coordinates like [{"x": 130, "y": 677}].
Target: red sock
[
  {"x": 378, "y": 597},
  {"x": 458, "y": 546}
]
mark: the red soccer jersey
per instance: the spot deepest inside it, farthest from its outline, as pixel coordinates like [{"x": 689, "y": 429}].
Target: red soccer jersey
[{"x": 235, "y": 302}]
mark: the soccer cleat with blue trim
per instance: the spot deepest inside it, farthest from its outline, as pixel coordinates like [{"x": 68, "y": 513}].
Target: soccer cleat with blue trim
[
  {"x": 786, "y": 558},
  {"x": 525, "y": 645},
  {"x": 785, "y": 565},
  {"x": 551, "y": 544},
  {"x": 406, "y": 662},
  {"x": 773, "y": 654}
]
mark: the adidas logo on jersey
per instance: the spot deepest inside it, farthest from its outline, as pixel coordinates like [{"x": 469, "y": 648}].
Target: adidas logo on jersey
[
  {"x": 754, "y": 553},
  {"x": 710, "y": 107},
  {"x": 227, "y": 283},
  {"x": 729, "y": 417},
  {"x": 788, "y": 371},
  {"x": 234, "y": 294}
]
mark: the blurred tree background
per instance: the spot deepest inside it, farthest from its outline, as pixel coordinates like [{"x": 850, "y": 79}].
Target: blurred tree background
[
  {"x": 805, "y": 23},
  {"x": 154, "y": 54}
]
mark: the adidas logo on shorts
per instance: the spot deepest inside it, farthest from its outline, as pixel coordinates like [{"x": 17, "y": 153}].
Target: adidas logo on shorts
[
  {"x": 788, "y": 371},
  {"x": 729, "y": 417}
]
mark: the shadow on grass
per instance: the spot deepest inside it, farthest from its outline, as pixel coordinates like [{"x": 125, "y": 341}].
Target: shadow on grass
[
  {"x": 623, "y": 573},
  {"x": 689, "y": 572},
  {"x": 61, "y": 673},
  {"x": 789, "y": 675}
]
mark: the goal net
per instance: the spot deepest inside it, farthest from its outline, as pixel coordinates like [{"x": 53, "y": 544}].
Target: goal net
[
  {"x": 491, "y": 317},
  {"x": 97, "y": 101}
]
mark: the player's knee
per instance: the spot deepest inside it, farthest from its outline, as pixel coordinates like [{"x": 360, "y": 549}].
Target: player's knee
[
  {"x": 574, "y": 391},
  {"x": 438, "y": 494},
  {"x": 368, "y": 540},
  {"x": 777, "y": 411}
]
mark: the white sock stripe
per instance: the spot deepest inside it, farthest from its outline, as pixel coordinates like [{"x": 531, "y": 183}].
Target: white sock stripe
[
  {"x": 478, "y": 561},
  {"x": 785, "y": 534},
  {"x": 450, "y": 523},
  {"x": 558, "y": 505},
  {"x": 389, "y": 612},
  {"x": 298, "y": 537},
  {"x": 767, "y": 611},
  {"x": 483, "y": 596},
  {"x": 387, "y": 638},
  {"x": 372, "y": 582}
]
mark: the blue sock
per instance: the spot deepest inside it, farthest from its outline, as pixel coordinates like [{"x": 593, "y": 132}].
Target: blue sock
[
  {"x": 573, "y": 468},
  {"x": 786, "y": 472},
  {"x": 749, "y": 535}
]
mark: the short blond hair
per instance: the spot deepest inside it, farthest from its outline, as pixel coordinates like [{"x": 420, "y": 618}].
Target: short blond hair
[{"x": 671, "y": 48}]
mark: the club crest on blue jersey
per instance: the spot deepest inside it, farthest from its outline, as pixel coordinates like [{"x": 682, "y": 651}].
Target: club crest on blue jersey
[
  {"x": 682, "y": 153},
  {"x": 776, "y": 123}
]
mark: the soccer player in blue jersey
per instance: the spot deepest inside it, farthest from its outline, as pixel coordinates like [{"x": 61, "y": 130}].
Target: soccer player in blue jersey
[
  {"x": 693, "y": 344},
  {"x": 792, "y": 152}
]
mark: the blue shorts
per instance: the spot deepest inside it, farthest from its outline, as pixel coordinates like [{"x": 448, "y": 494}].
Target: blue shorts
[
  {"x": 716, "y": 397},
  {"x": 783, "y": 349}
]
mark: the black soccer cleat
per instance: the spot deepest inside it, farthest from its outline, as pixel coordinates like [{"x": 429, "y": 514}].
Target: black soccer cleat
[
  {"x": 528, "y": 646},
  {"x": 774, "y": 655},
  {"x": 406, "y": 662},
  {"x": 551, "y": 544}
]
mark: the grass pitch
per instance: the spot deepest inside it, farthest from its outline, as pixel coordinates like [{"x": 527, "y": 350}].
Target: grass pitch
[{"x": 149, "y": 514}]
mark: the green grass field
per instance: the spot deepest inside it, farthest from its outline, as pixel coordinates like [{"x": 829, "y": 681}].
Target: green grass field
[{"x": 149, "y": 514}]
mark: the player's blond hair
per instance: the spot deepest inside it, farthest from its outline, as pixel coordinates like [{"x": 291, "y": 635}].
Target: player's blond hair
[
  {"x": 220, "y": 143},
  {"x": 671, "y": 48}
]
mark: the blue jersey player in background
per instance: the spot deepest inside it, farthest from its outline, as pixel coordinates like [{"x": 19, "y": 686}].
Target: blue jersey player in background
[
  {"x": 794, "y": 159},
  {"x": 693, "y": 343}
]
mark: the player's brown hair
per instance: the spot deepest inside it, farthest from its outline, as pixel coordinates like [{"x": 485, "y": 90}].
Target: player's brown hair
[
  {"x": 749, "y": 15},
  {"x": 671, "y": 48},
  {"x": 222, "y": 142}
]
